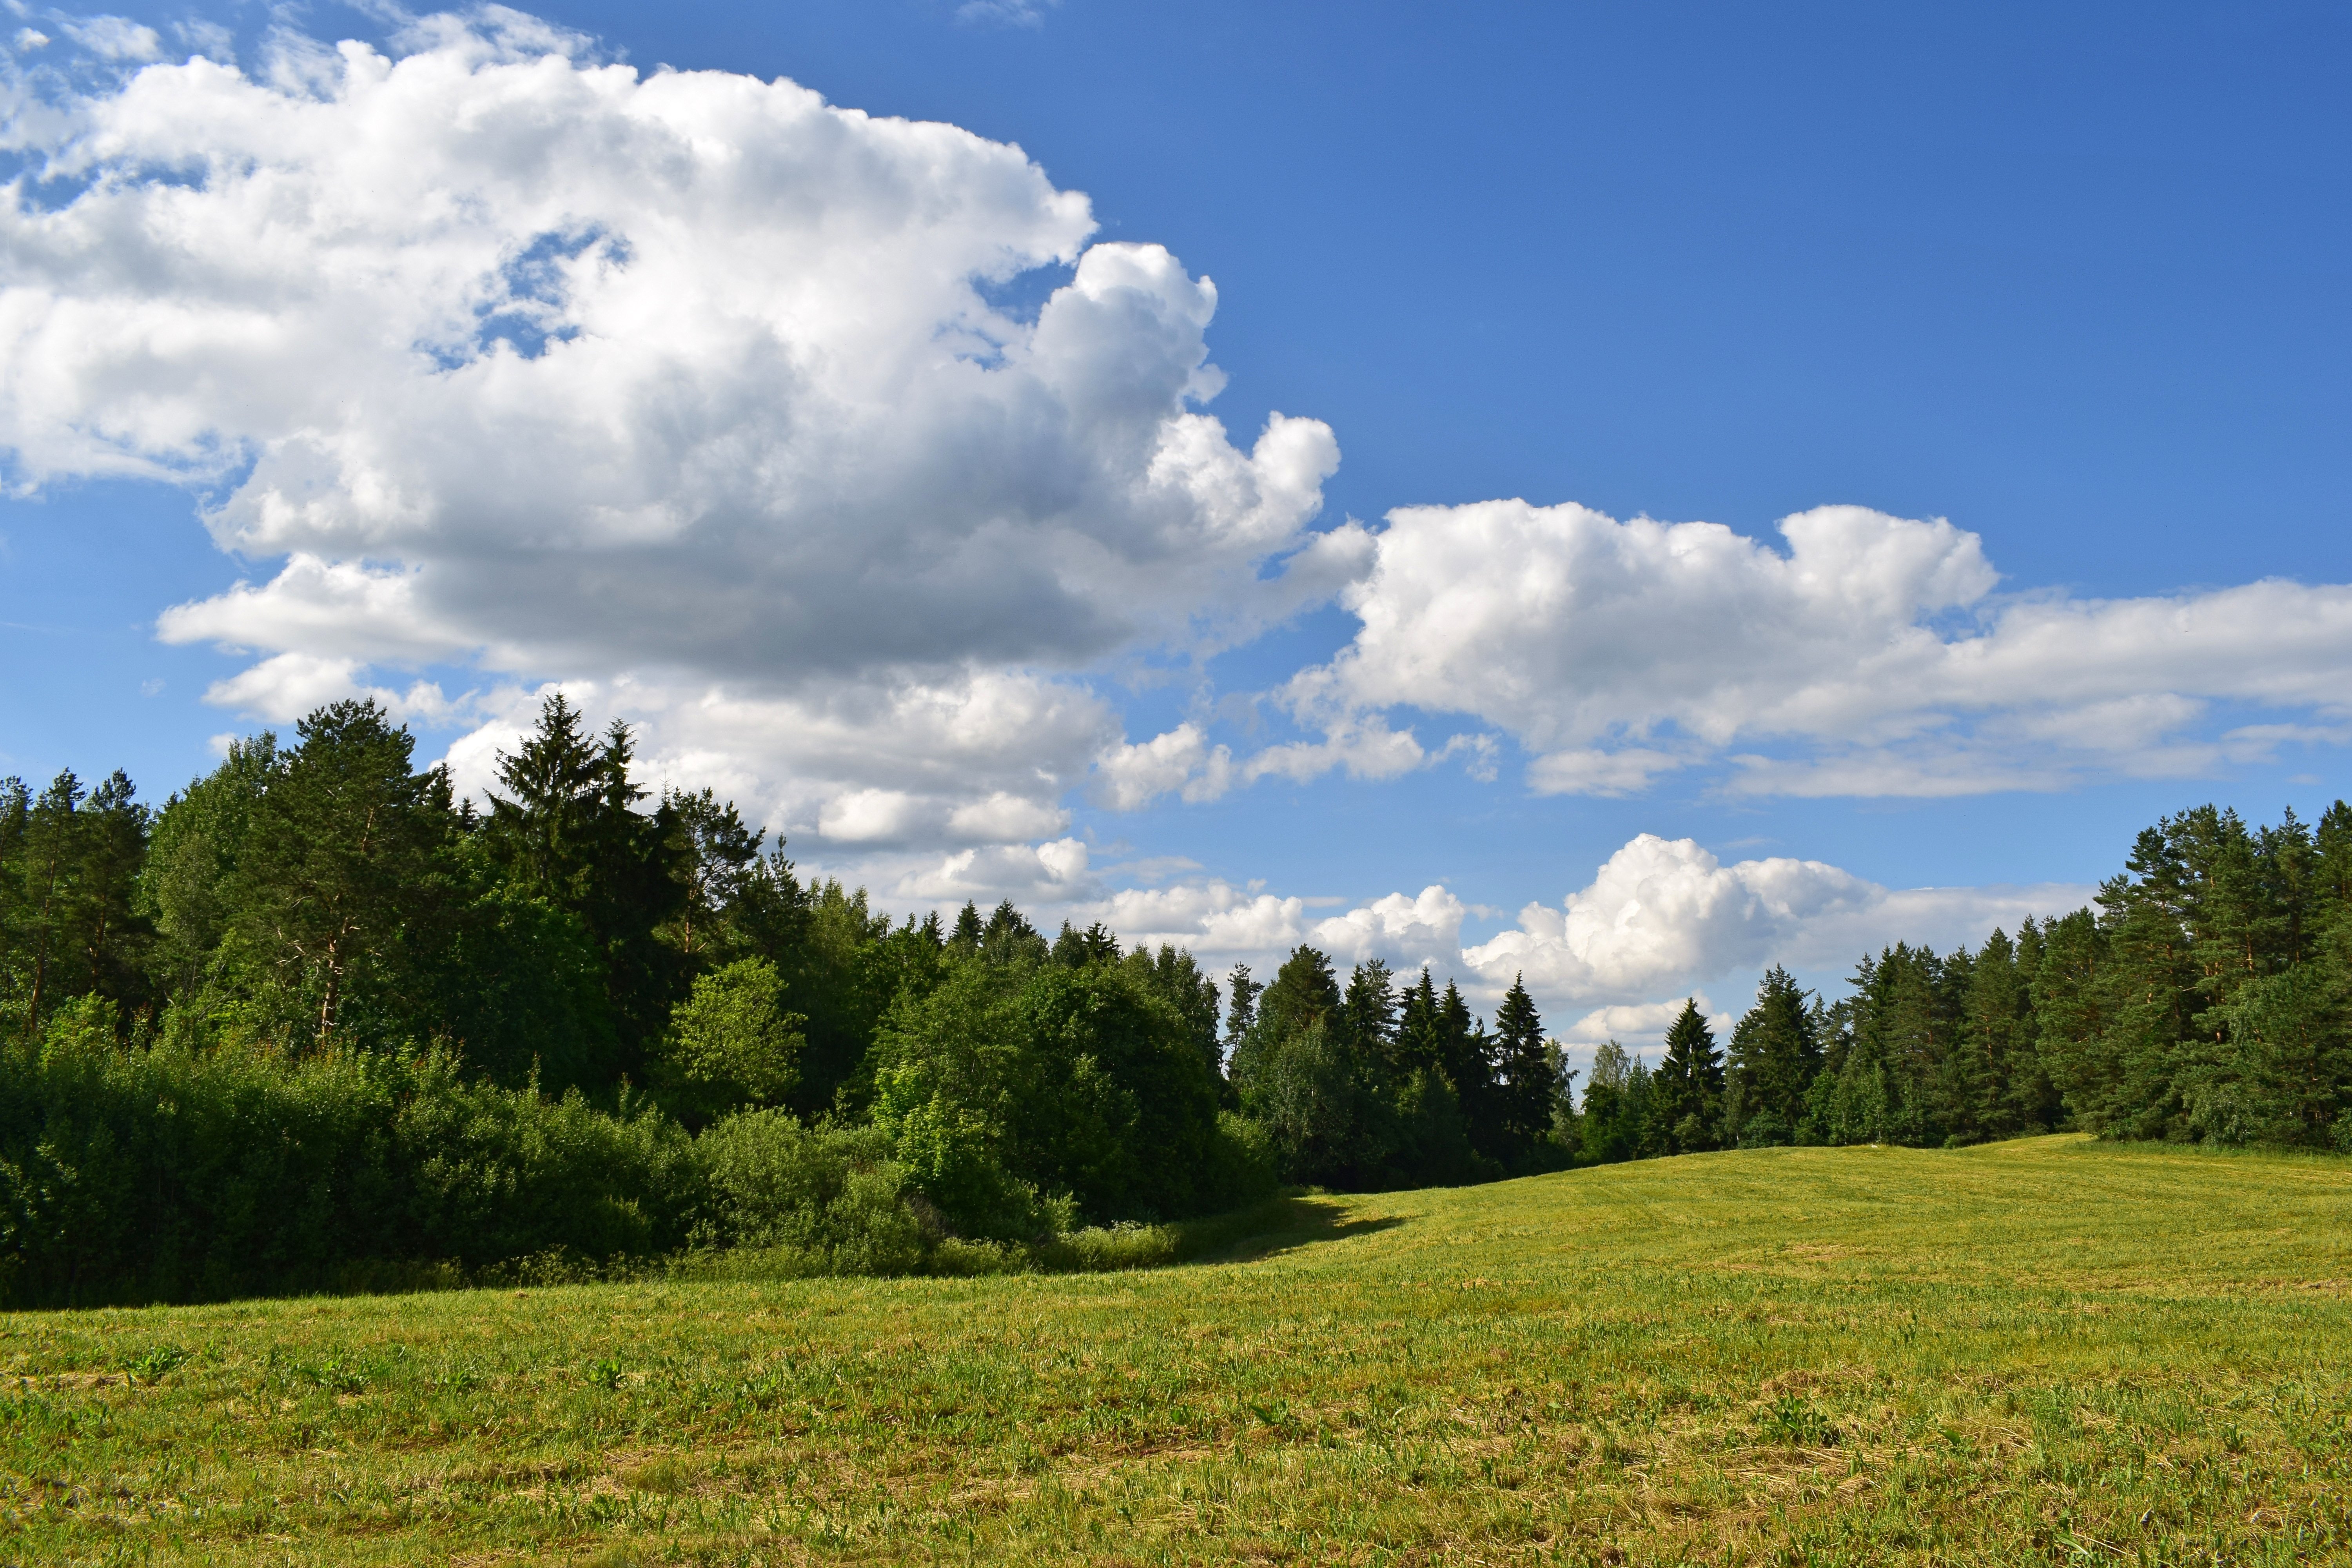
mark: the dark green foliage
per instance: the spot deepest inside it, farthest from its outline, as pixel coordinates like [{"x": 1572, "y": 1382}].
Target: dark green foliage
[
  {"x": 1775, "y": 1049},
  {"x": 315, "y": 1024},
  {"x": 70, "y": 925},
  {"x": 1362, "y": 1090},
  {"x": 568, "y": 831},
  {"x": 188, "y": 1169},
  {"x": 1528, "y": 1086},
  {"x": 1176, "y": 979},
  {"x": 1015, "y": 1092},
  {"x": 1616, "y": 1108},
  {"x": 1304, "y": 993},
  {"x": 340, "y": 891},
  {"x": 2202, "y": 999},
  {"x": 1686, "y": 1101},
  {"x": 518, "y": 989}
]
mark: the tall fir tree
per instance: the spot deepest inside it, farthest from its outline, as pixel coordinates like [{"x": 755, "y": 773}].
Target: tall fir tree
[
  {"x": 1685, "y": 1107},
  {"x": 1528, "y": 1069},
  {"x": 1775, "y": 1052}
]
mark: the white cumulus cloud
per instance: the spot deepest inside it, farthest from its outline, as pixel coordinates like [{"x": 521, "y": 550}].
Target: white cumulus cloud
[
  {"x": 1664, "y": 915},
  {"x": 1869, "y": 657},
  {"x": 684, "y": 387}
]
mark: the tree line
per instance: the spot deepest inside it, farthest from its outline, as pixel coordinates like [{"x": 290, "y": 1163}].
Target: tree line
[
  {"x": 316, "y": 1017},
  {"x": 2204, "y": 997}
]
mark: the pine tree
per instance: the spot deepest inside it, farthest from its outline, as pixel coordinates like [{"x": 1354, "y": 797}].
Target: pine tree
[
  {"x": 69, "y": 920},
  {"x": 718, "y": 861},
  {"x": 1368, "y": 1019},
  {"x": 967, "y": 930},
  {"x": 1241, "y": 1015},
  {"x": 1774, "y": 1055},
  {"x": 1529, "y": 1069},
  {"x": 339, "y": 891},
  {"x": 1685, "y": 1107}
]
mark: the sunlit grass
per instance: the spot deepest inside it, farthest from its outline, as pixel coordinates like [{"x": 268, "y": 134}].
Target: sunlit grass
[{"x": 2046, "y": 1352}]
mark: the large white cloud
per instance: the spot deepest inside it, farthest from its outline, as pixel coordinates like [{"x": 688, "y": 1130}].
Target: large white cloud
[
  {"x": 1664, "y": 915},
  {"x": 684, "y": 384},
  {"x": 1870, "y": 657}
]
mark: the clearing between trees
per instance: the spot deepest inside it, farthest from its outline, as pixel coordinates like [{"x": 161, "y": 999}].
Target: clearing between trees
[{"x": 2047, "y": 1350}]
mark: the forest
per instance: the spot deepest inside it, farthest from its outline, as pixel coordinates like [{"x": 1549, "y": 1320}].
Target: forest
[{"x": 315, "y": 1023}]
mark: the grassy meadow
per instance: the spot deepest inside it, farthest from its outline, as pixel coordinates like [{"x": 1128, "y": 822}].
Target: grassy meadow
[{"x": 2050, "y": 1351}]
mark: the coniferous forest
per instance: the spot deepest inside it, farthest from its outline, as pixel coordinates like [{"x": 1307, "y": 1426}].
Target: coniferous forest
[{"x": 314, "y": 1023}]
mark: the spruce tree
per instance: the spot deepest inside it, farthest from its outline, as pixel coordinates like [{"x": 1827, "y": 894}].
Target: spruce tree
[
  {"x": 1010, "y": 939},
  {"x": 968, "y": 930},
  {"x": 70, "y": 922},
  {"x": 1241, "y": 1014},
  {"x": 1304, "y": 992},
  {"x": 1686, "y": 1091},
  {"x": 1368, "y": 1018},
  {"x": 1774, "y": 1055},
  {"x": 1420, "y": 1027},
  {"x": 1528, "y": 1071}
]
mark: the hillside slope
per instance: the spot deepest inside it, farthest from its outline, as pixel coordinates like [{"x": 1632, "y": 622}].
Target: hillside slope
[{"x": 2045, "y": 1350}]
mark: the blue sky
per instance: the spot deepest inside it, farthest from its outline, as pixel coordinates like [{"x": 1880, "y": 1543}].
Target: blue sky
[{"x": 2073, "y": 281}]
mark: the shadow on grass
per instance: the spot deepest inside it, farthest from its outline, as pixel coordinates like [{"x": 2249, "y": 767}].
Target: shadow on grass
[{"x": 1285, "y": 1225}]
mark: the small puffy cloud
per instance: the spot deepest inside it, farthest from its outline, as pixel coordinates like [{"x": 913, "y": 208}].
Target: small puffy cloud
[
  {"x": 1868, "y": 657},
  {"x": 1182, "y": 761},
  {"x": 685, "y": 387},
  {"x": 1213, "y": 919},
  {"x": 1593, "y": 771},
  {"x": 290, "y": 685},
  {"x": 1052, "y": 874},
  {"x": 1179, "y": 761},
  {"x": 1407, "y": 932}
]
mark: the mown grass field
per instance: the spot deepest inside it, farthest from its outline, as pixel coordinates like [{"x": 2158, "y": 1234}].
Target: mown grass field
[{"x": 2043, "y": 1351}]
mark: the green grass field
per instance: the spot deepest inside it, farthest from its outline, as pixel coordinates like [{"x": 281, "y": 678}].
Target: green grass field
[{"x": 2045, "y": 1352}]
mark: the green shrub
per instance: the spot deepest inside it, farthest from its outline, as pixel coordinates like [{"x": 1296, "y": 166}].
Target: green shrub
[
  {"x": 174, "y": 1171},
  {"x": 831, "y": 1196}
]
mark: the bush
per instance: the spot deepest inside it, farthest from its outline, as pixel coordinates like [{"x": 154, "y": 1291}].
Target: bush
[
  {"x": 178, "y": 1171},
  {"x": 1023, "y": 1100},
  {"x": 830, "y": 1197}
]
